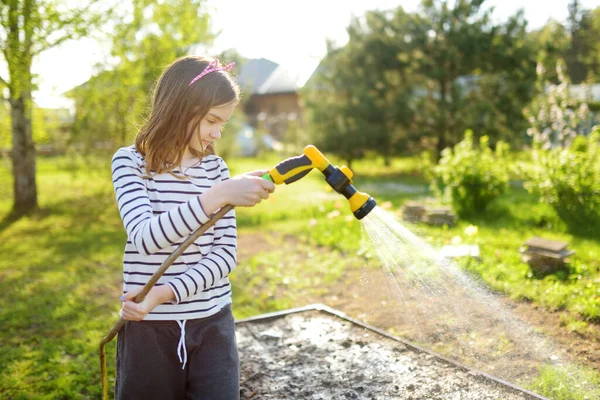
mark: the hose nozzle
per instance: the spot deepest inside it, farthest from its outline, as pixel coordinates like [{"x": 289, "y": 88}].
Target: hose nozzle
[{"x": 340, "y": 179}]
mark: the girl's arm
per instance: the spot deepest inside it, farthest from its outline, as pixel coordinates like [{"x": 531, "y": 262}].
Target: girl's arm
[
  {"x": 217, "y": 264},
  {"x": 220, "y": 261},
  {"x": 147, "y": 232},
  {"x": 150, "y": 233}
]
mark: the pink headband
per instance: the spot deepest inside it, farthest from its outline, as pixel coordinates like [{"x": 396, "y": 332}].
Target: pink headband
[{"x": 212, "y": 67}]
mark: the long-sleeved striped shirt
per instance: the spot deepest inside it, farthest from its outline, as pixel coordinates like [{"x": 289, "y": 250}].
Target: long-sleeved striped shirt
[{"x": 158, "y": 213}]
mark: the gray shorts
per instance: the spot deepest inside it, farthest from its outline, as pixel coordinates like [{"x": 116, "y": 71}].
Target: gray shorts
[{"x": 148, "y": 366}]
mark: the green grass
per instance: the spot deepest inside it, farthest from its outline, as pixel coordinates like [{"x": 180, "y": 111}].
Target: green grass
[
  {"x": 568, "y": 383},
  {"x": 285, "y": 277},
  {"x": 60, "y": 283},
  {"x": 60, "y": 272}
]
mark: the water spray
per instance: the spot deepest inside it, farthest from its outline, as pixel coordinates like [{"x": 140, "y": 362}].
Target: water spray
[{"x": 287, "y": 171}]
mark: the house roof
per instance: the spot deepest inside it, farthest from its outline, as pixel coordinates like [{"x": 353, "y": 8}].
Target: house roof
[
  {"x": 255, "y": 72},
  {"x": 262, "y": 76}
]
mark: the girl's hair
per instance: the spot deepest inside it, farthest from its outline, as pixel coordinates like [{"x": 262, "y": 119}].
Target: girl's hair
[{"x": 177, "y": 110}]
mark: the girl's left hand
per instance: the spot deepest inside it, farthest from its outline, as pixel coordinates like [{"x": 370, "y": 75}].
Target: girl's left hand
[{"x": 133, "y": 311}]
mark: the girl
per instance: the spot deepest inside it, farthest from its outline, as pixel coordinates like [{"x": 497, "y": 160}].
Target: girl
[{"x": 179, "y": 343}]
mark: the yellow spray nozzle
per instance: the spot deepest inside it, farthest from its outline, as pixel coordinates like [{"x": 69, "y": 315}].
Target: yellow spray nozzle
[
  {"x": 318, "y": 159},
  {"x": 346, "y": 171},
  {"x": 340, "y": 179},
  {"x": 357, "y": 200}
]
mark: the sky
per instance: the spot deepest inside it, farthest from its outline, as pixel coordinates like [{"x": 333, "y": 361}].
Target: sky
[{"x": 290, "y": 33}]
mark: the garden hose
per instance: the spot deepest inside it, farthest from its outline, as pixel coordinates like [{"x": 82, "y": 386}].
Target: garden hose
[
  {"x": 153, "y": 279},
  {"x": 287, "y": 171}
]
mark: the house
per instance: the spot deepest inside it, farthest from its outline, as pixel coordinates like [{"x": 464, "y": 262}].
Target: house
[{"x": 270, "y": 95}]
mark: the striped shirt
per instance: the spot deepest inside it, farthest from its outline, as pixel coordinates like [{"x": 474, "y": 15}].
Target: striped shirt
[{"x": 158, "y": 213}]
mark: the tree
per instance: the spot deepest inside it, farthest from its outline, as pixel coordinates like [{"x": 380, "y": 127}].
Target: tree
[
  {"x": 581, "y": 59},
  {"x": 433, "y": 74},
  {"x": 476, "y": 75},
  {"x": 556, "y": 118},
  {"x": 453, "y": 42},
  {"x": 28, "y": 28},
  {"x": 150, "y": 38},
  {"x": 383, "y": 83},
  {"x": 331, "y": 107},
  {"x": 552, "y": 41},
  {"x": 591, "y": 57},
  {"x": 359, "y": 99},
  {"x": 507, "y": 83}
]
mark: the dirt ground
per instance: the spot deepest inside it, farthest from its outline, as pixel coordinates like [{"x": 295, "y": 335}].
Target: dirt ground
[
  {"x": 316, "y": 355},
  {"x": 514, "y": 361}
]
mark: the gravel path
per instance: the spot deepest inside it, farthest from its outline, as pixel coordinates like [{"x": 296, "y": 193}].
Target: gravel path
[{"x": 315, "y": 354}]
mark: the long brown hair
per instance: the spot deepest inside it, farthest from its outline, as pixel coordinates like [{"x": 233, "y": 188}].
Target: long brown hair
[{"x": 163, "y": 138}]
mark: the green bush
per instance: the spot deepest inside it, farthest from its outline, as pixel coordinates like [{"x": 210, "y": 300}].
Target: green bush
[
  {"x": 580, "y": 143},
  {"x": 471, "y": 177},
  {"x": 569, "y": 180}
]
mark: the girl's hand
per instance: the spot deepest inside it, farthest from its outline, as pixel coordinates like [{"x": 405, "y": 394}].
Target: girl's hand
[
  {"x": 258, "y": 173},
  {"x": 133, "y": 311},
  {"x": 247, "y": 190}
]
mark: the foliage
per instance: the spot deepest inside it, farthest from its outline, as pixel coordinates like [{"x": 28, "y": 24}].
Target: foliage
[
  {"x": 477, "y": 75},
  {"x": 340, "y": 104},
  {"x": 144, "y": 42},
  {"x": 555, "y": 117},
  {"x": 566, "y": 172},
  {"x": 552, "y": 40},
  {"x": 27, "y": 28},
  {"x": 569, "y": 180},
  {"x": 406, "y": 77},
  {"x": 471, "y": 176},
  {"x": 575, "y": 42},
  {"x": 362, "y": 96},
  {"x": 582, "y": 56},
  {"x": 30, "y": 27}
]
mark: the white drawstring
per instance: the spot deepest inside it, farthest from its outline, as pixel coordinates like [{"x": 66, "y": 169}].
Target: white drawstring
[{"x": 181, "y": 346}]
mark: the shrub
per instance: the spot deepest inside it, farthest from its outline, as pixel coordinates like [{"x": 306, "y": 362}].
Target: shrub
[
  {"x": 556, "y": 117},
  {"x": 569, "y": 180},
  {"x": 471, "y": 177},
  {"x": 580, "y": 143}
]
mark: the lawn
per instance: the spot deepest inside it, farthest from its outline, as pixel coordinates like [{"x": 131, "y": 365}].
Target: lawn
[{"x": 60, "y": 270}]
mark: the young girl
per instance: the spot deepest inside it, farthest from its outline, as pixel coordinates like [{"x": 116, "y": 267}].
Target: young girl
[{"x": 179, "y": 343}]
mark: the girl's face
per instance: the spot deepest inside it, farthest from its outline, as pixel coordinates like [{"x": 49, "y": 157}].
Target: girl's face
[{"x": 211, "y": 126}]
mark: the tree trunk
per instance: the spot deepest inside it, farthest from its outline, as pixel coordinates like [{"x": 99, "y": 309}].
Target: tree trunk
[
  {"x": 23, "y": 154},
  {"x": 441, "y": 144}
]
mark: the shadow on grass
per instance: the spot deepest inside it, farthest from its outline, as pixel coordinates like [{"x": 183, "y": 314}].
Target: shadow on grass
[
  {"x": 561, "y": 274},
  {"x": 9, "y": 219},
  {"x": 59, "y": 298}
]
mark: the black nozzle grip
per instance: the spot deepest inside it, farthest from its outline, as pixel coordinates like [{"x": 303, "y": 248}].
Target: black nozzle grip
[
  {"x": 294, "y": 178},
  {"x": 289, "y": 165},
  {"x": 293, "y": 162}
]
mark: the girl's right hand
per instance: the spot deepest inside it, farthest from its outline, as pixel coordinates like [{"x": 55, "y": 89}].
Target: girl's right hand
[{"x": 246, "y": 190}]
